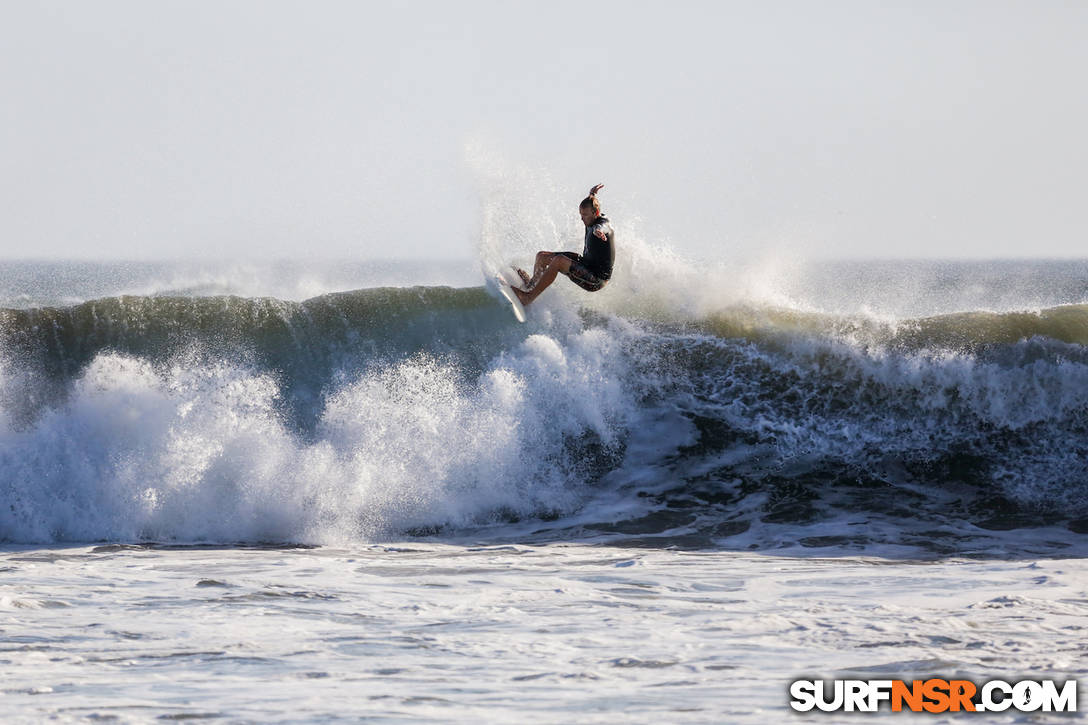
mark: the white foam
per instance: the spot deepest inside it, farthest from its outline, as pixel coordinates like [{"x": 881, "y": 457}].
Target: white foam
[
  {"x": 201, "y": 451},
  {"x": 511, "y": 633}
]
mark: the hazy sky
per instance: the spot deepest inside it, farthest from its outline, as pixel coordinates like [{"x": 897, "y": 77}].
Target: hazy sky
[{"x": 355, "y": 129}]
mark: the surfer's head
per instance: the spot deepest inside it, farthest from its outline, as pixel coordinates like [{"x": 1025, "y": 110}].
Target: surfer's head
[{"x": 589, "y": 209}]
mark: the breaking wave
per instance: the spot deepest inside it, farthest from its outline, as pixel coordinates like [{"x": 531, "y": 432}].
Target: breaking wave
[{"x": 410, "y": 411}]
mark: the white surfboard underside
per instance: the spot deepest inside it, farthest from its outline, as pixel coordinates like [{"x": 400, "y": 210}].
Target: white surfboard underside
[{"x": 508, "y": 293}]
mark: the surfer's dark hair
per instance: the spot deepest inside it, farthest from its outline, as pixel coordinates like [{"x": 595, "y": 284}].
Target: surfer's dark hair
[{"x": 591, "y": 202}]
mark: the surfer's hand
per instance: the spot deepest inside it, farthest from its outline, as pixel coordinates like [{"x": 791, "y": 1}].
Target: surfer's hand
[
  {"x": 595, "y": 189},
  {"x": 600, "y": 233}
]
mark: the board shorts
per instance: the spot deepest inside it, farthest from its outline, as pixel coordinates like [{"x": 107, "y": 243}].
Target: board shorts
[{"x": 581, "y": 275}]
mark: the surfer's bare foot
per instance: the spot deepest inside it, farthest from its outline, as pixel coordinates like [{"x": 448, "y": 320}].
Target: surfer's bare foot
[
  {"x": 522, "y": 296},
  {"x": 525, "y": 278}
]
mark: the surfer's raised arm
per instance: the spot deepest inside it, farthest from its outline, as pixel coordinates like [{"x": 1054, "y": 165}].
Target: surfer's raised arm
[{"x": 590, "y": 270}]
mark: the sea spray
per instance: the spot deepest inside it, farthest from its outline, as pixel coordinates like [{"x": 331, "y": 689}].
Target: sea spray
[{"x": 207, "y": 452}]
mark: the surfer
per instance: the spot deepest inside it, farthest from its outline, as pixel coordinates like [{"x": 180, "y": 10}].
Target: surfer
[{"x": 590, "y": 270}]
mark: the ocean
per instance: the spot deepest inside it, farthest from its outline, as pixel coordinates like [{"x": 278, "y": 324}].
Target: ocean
[{"x": 304, "y": 491}]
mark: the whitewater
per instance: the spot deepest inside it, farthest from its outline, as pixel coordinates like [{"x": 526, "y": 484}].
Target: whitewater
[{"x": 296, "y": 491}]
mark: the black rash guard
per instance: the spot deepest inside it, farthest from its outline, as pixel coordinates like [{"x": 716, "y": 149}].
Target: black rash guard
[{"x": 599, "y": 254}]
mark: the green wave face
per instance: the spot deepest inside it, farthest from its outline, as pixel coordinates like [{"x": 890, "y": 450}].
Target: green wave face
[{"x": 406, "y": 319}]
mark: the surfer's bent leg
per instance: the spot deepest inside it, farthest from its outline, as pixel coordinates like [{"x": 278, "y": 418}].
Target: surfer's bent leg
[
  {"x": 542, "y": 260},
  {"x": 553, "y": 264}
]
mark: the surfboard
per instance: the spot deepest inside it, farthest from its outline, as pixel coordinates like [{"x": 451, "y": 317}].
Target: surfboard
[{"x": 508, "y": 293}]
